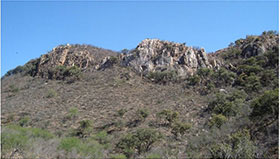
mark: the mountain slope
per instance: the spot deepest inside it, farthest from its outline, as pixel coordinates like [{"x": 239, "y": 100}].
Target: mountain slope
[{"x": 161, "y": 99}]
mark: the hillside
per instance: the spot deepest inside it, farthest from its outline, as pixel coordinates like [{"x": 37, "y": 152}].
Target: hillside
[{"x": 159, "y": 100}]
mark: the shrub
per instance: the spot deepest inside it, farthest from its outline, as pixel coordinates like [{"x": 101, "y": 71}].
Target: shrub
[
  {"x": 204, "y": 72},
  {"x": 180, "y": 128},
  {"x": 62, "y": 72},
  {"x": 153, "y": 156},
  {"x": 162, "y": 77},
  {"x": 224, "y": 76},
  {"x": 227, "y": 105},
  {"x": 273, "y": 57},
  {"x": 237, "y": 146},
  {"x": 102, "y": 137},
  {"x": 16, "y": 137},
  {"x": 27, "y": 69},
  {"x": 13, "y": 140},
  {"x": 267, "y": 76},
  {"x": 40, "y": 133},
  {"x": 69, "y": 143},
  {"x": 217, "y": 120},
  {"x": 249, "y": 69},
  {"x": 24, "y": 121},
  {"x": 266, "y": 106},
  {"x": 193, "y": 80},
  {"x": 73, "y": 112},
  {"x": 14, "y": 89},
  {"x": 141, "y": 141},
  {"x": 252, "y": 83},
  {"x": 232, "y": 52},
  {"x": 113, "y": 59},
  {"x": 84, "y": 128},
  {"x": 121, "y": 112},
  {"x": 51, "y": 93},
  {"x": 169, "y": 115},
  {"x": 142, "y": 113},
  {"x": 118, "y": 156}
]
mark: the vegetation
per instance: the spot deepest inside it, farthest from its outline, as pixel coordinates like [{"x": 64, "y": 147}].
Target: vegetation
[
  {"x": 139, "y": 141},
  {"x": 51, "y": 93},
  {"x": 27, "y": 69},
  {"x": 142, "y": 114},
  {"x": 217, "y": 120},
  {"x": 228, "y": 111},
  {"x": 169, "y": 115},
  {"x": 14, "y": 89},
  {"x": 227, "y": 105},
  {"x": 238, "y": 146},
  {"x": 180, "y": 128},
  {"x": 162, "y": 77},
  {"x": 62, "y": 72},
  {"x": 266, "y": 107}
]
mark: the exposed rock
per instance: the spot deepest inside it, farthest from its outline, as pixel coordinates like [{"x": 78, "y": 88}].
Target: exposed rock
[
  {"x": 257, "y": 45},
  {"x": 156, "y": 55},
  {"x": 80, "y": 56},
  {"x": 64, "y": 56},
  {"x": 105, "y": 63}
]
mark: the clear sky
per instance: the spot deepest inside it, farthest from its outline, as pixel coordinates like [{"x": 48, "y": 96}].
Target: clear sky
[{"x": 32, "y": 28}]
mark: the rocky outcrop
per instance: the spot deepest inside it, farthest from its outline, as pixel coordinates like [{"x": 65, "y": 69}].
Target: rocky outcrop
[
  {"x": 257, "y": 45},
  {"x": 106, "y": 63},
  {"x": 64, "y": 56},
  {"x": 156, "y": 55}
]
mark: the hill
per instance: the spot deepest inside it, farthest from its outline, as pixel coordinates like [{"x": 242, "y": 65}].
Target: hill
[{"x": 159, "y": 100}]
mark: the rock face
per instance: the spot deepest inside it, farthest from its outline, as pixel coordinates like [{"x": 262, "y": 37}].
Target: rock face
[
  {"x": 80, "y": 56},
  {"x": 257, "y": 45},
  {"x": 64, "y": 56},
  {"x": 156, "y": 55}
]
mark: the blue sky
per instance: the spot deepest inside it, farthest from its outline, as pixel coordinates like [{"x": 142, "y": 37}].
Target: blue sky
[{"x": 32, "y": 28}]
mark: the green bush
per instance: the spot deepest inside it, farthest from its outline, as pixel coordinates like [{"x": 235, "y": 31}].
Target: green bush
[
  {"x": 73, "y": 112},
  {"x": 227, "y": 105},
  {"x": 17, "y": 137},
  {"x": 24, "y": 121},
  {"x": 217, "y": 120},
  {"x": 84, "y": 129},
  {"x": 193, "y": 80},
  {"x": 154, "y": 156},
  {"x": 273, "y": 57},
  {"x": 237, "y": 146},
  {"x": 224, "y": 76},
  {"x": 121, "y": 112},
  {"x": 267, "y": 76},
  {"x": 113, "y": 59},
  {"x": 266, "y": 106},
  {"x": 51, "y": 93},
  {"x": 162, "y": 77},
  {"x": 14, "y": 89},
  {"x": 102, "y": 137},
  {"x": 180, "y": 128},
  {"x": 249, "y": 69},
  {"x": 142, "y": 113},
  {"x": 62, "y": 72},
  {"x": 168, "y": 115},
  {"x": 40, "y": 133},
  {"x": 232, "y": 52},
  {"x": 250, "y": 83},
  {"x": 27, "y": 69},
  {"x": 69, "y": 143},
  {"x": 13, "y": 140},
  {"x": 141, "y": 141},
  {"x": 118, "y": 156},
  {"x": 205, "y": 72}
]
